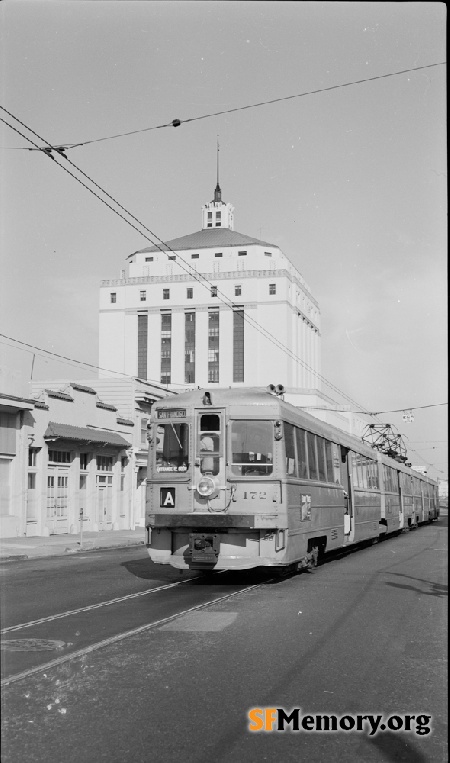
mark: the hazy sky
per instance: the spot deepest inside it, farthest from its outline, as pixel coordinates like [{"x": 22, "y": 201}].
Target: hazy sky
[{"x": 350, "y": 183}]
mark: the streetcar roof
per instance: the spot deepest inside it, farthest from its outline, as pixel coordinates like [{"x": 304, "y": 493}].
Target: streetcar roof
[{"x": 239, "y": 400}]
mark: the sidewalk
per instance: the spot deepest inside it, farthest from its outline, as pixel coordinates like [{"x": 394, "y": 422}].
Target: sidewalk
[{"x": 15, "y": 549}]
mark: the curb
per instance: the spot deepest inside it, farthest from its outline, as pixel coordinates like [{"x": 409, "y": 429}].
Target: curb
[{"x": 69, "y": 551}]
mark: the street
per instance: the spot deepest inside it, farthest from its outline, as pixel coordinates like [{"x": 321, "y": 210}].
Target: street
[{"x": 157, "y": 666}]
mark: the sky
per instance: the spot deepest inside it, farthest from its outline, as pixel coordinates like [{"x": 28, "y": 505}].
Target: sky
[{"x": 350, "y": 183}]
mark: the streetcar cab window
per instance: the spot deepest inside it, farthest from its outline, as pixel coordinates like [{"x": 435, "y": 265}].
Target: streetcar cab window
[
  {"x": 172, "y": 447},
  {"x": 209, "y": 446},
  {"x": 312, "y": 455},
  {"x": 252, "y": 448}
]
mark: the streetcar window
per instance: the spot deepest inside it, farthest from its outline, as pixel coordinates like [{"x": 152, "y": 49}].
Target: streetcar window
[
  {"x": 210, "y": 422},
  {"x": 355, "y": 461},
  {"x": 252, "y": 448},
  {"x": 372, "y": 475},
  {"x": 312, "y": 456},
  {"x": 301, "y": 453},
  {"x": 329, "y": 461},
  {"x": 321, "y": 459},
  {"x": 388, "y": 479},
  {"x": 290, "y": 449},
  {"x": 172, "y": 447},
  {"x": 362, "y": 472},
  {"x": 209, "y": 443}
]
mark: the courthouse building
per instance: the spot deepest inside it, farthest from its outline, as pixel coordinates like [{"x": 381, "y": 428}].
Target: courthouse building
[
  {"x": 216, "y": 308},
  {"x": 211, "y": 308}
]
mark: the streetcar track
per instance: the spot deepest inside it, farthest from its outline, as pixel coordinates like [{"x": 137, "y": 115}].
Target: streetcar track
[
  {"x": 89, "y": 607},
  {"x": 122, "y": 636},
  {"x": 337, "y": 554}
]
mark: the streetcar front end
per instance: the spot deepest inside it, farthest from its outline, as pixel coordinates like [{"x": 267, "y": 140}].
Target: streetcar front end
[{"x": 213, "y": 497}]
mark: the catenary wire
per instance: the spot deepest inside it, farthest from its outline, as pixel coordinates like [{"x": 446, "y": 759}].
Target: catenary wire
[
  {"x": 378, "y": 413},
  {"x": 73, "y": 361},
  {"x": 31, "y": 348},
  {"x": 27, "y": 347},
  {"x": 199, "y": 277},
  {"x": 178, "y": 122},
  {"x": 193, "y": 273},
  {"x": 205, "y": 282}
]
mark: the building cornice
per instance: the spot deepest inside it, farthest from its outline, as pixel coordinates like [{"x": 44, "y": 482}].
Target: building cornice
[{"x": 210, "y": 277}]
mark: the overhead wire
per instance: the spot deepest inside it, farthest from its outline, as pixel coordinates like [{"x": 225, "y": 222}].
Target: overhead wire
[
  {"x": 165, "y": 248},
  {"x": 378, "y": 413},
  {"x": 60, "y": 149},
  {"x": 31, "y": 348},
  {"x": 201, "y": 278},
  {"x": 27, "y": 347},
  {"x": 179, "y": 122}
]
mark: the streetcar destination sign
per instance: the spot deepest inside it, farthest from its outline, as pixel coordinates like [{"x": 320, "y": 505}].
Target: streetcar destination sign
[{"x": 173, "y": 413}]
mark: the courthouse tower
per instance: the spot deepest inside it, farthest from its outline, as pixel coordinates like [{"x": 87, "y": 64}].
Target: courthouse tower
[{"x": 200, "y": 312}]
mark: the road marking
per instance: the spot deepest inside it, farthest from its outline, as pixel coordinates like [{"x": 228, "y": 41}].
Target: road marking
[
  {"x": 60, "y": 615},
  {"x": 120, "y": 637},
  {"x": 31, "y": 644}
]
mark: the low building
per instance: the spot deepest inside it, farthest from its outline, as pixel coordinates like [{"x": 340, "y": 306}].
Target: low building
[
  {"x": 14, "y": 439},
  {"x": 73, "y": 453}
]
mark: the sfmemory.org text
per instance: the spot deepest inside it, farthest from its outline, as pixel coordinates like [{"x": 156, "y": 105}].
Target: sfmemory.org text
[{"x": 278, "y": 719}]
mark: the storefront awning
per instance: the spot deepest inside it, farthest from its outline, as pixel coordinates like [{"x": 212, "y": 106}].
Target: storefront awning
[{"x": 84, "y": 434}]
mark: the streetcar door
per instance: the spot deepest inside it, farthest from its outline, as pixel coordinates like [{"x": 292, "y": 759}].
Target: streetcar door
[
  {"x": 349, "y": 520},
  {"x": 401, "y": 514},
  {"x": 209, "y": 464}
]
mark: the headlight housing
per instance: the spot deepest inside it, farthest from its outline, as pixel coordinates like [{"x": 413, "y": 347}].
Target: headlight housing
[{"x": 206, "y": 487}]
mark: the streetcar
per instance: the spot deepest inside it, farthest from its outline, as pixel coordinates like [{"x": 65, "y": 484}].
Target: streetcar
[{"x": 239, "y": 478}]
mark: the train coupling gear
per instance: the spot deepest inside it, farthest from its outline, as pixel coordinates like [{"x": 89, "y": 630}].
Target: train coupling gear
[{"x": 204, "y": 547}]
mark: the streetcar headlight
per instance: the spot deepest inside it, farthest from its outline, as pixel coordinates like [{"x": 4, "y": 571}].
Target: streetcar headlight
[{"x": 206, "y": 486}]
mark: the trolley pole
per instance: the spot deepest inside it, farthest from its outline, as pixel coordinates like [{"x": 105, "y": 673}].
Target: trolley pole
[{"x": 81, "y": 528}]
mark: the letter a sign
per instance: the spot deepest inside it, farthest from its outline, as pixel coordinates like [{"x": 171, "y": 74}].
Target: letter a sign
[{"x": 167, "y": 500}]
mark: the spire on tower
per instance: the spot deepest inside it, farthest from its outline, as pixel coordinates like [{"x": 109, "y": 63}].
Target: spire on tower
[
  {"x": 217, "y": 214},
  {"x": 218, "y": 192}
]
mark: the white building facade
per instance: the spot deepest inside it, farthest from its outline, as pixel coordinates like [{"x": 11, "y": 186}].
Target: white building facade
[
  {"x": 215, "y": 307},
  {"x": 75, "y": 454}
]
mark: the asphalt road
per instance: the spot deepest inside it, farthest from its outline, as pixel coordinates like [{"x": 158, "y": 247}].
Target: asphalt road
[{"x": 362, "y": 634}]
